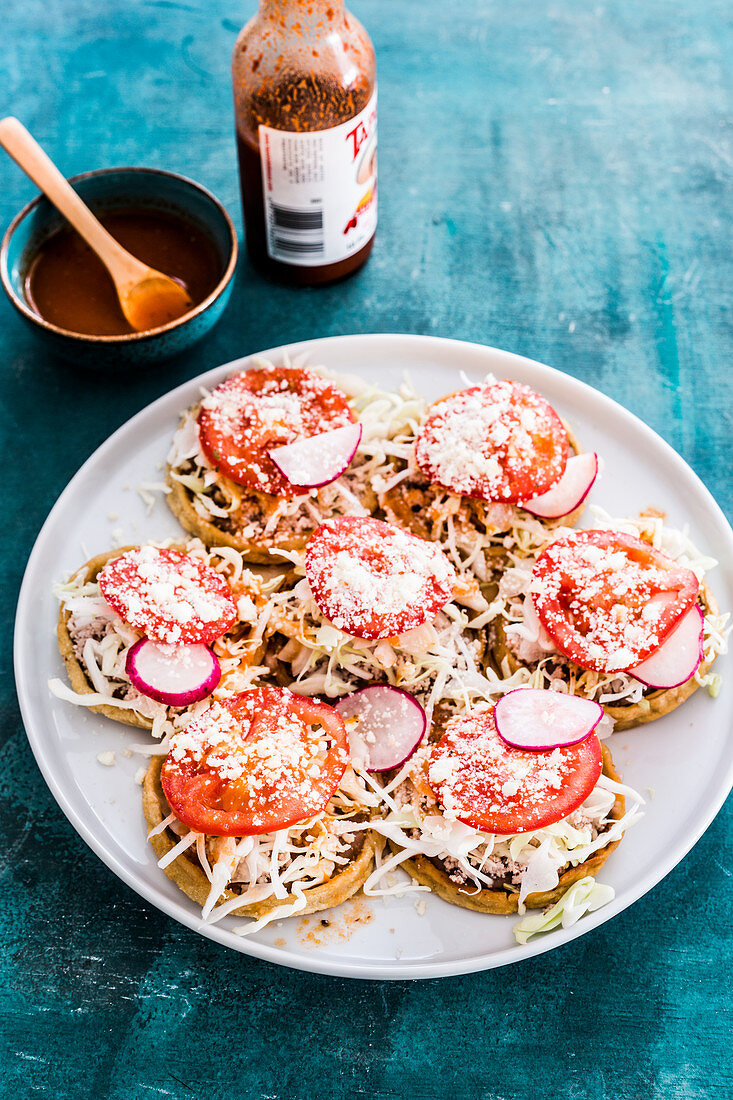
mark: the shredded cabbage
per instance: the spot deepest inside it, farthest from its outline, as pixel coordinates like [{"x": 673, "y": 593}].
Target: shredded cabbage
[{"x": 584, "y": 896}]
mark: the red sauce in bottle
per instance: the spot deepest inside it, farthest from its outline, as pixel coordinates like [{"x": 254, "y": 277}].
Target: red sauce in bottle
[{"x": 306, "y": 68}]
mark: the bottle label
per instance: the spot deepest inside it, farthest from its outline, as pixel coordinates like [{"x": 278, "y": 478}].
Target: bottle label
[{"x": 320, "y": 190}]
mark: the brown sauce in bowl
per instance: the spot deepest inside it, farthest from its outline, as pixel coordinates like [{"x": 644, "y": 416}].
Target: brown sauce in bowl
[{"x": 69, "y": 286}]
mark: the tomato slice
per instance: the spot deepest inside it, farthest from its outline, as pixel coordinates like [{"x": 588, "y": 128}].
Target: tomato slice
[
  {"x": 608, "y": 600},
  {"x": 491, "y": 786},
  {"x": 498, "y": 442},
  {"x": 255, "y": 763},
  {"x": 373, "y": 580},
  {"x": 250, "y": 413},
  {"x": 172, "y": 597}
]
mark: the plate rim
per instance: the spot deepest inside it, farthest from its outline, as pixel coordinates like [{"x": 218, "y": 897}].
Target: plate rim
[{"x": 177, "y": 909}]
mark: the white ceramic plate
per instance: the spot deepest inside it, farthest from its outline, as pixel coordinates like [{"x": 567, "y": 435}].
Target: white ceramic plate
[{"x": 372, "y": 939}]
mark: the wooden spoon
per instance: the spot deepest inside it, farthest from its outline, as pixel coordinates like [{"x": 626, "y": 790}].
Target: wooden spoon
[{"x": 148, "y": 297}]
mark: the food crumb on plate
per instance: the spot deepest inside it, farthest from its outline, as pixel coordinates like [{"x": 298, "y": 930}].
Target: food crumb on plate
[
  {"x": 339, "y": 925},
  {"x": 106, "y": 758}
]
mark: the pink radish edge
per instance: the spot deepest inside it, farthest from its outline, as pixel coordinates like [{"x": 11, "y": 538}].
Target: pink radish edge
[
  {"x": 175, "y": 676},
  {"x": 678, "y": 657},
  {"x": 569, "y": 492},
  {"x": 392, "y": 724},
  {"x": 318, "y": 460},
  {"x": 536, "y": 719}
]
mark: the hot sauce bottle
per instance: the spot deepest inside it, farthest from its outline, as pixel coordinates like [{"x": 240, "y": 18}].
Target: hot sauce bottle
[{"x": 305, "y": 102}]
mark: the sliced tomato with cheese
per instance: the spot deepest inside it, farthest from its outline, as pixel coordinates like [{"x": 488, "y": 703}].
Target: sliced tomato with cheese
[
  {"x": 374, "y": 580},
  {"x": 257, "y": 762},
  {"x": 258, "y": 410},
  {"x": 487, "y": 784},
  {"x": 607, "y": 599},
  {"x": 498, "y": 442},
  {"x": 172, "y": 597}
]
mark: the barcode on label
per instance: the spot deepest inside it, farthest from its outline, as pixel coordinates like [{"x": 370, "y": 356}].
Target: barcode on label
[{"x": 296, "y": 232}]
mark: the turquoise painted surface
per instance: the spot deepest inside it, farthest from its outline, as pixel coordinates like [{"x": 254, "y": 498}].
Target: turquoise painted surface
[{"x": 555, "y": 179}]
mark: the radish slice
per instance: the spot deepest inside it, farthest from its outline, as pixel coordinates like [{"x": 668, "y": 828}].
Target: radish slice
[
  {"x": 318, "y": 460},
  {"x": 175, "y": 675},
  {"x": 678, "y": 657},
  {"x": 570, "y": 491},
  {"x": 535, "y": 718},
  {"x": 390, "y": 727}
]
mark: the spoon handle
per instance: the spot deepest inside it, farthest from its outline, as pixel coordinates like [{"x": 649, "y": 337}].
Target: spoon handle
[{"x": 29, "y": 155}]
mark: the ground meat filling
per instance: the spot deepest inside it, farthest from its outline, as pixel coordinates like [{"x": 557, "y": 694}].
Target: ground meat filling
[
  {"x": 81, "y": 632},
  {"x": 502, "y": 872},
  {"x": 350, "y": 846},
  {"x": 252, "y": 519},
  {"x": 505, "y": 874},
  {"x": 97, "y": 629},
  {"x": 353, "y": 842},
  {"x": 425, "y": 509}
]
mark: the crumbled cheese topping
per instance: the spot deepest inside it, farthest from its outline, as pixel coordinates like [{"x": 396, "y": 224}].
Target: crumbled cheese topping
[
  {"x": 366, "y": 575},
  {"x": 257, "y": 410},
  {"x": 613, "y": 601},
  {"x": 473, "y": 758},
  {"x": 267, "y": 759},
  {"x": 478, "y": 441},
  {"x": 170, "y": 596}
]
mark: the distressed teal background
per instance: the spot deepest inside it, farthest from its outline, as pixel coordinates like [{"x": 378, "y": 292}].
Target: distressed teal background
[{"x": 555, "y": 180}]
